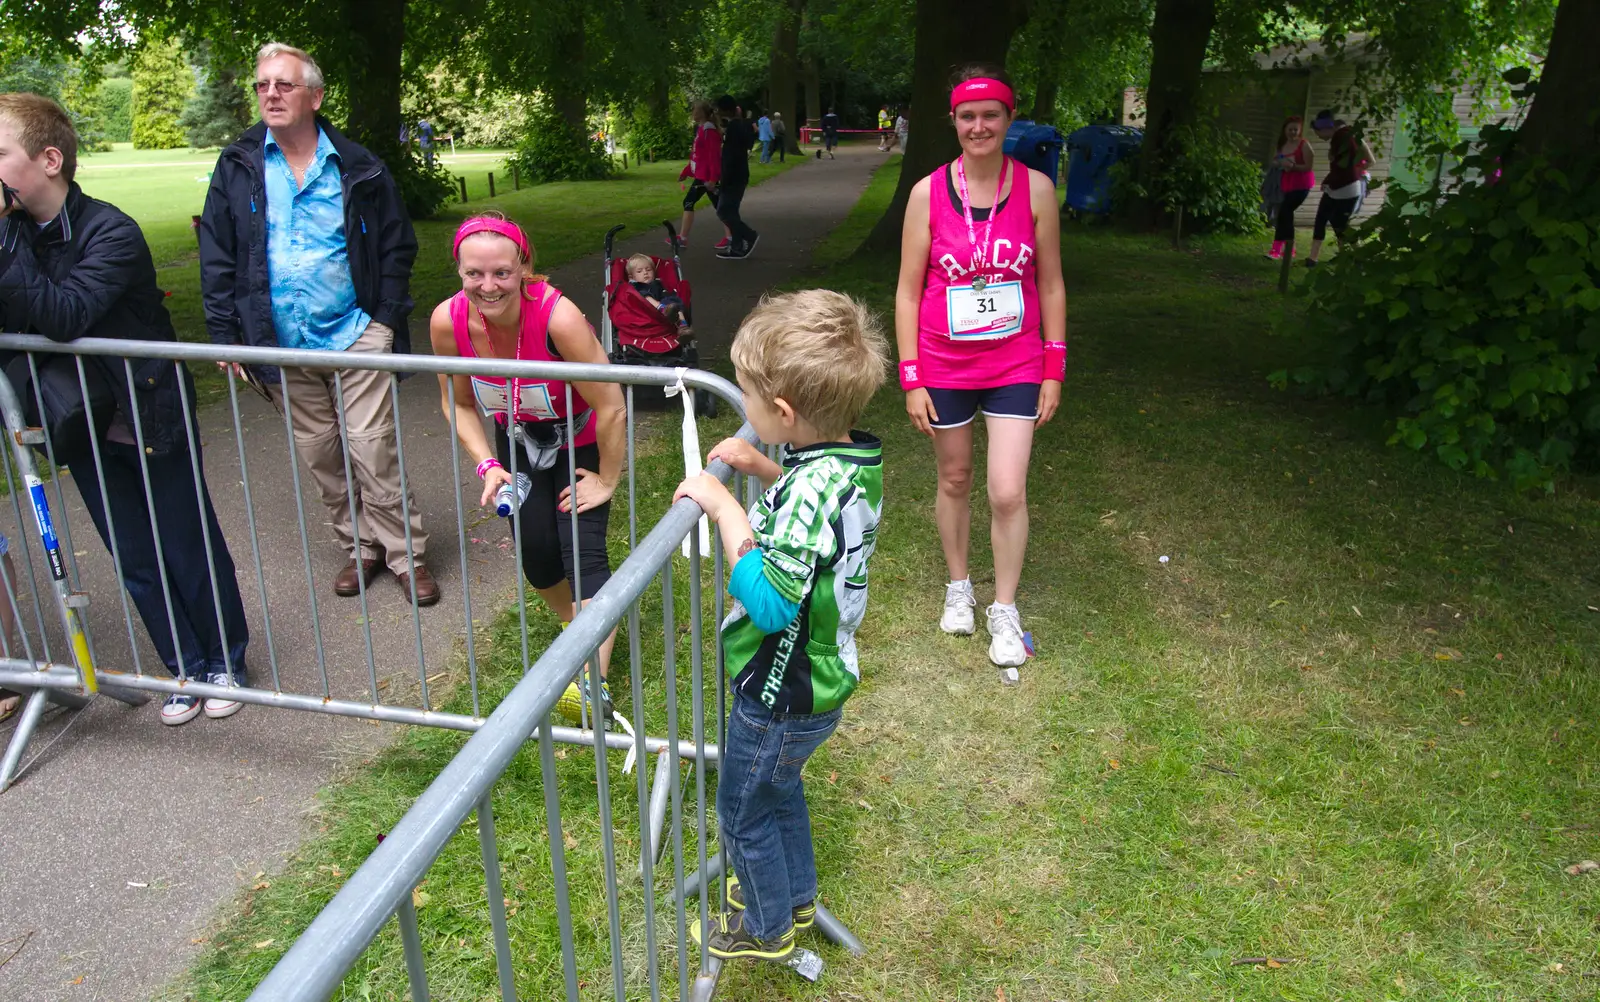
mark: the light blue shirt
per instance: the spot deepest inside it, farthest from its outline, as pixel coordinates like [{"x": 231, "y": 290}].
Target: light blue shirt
[
  {"x": 308, "y": 262},
  {"x": 764, "y": 129}
]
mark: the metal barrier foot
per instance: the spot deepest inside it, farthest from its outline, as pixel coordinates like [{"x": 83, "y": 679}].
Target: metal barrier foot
[
  {"x": 27, "y": 722},
  {"x": 659, "y": 793},
  {"x": 705, "y": 983}
]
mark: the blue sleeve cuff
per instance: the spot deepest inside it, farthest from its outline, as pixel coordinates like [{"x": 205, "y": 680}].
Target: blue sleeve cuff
[{"x": 748, "y": 583}]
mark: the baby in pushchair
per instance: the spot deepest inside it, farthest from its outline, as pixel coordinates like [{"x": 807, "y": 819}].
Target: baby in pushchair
[{"x": 642, "y": 276}]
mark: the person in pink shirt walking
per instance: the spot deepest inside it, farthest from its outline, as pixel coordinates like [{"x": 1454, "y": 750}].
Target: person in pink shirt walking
[
  {"x": 704, "y": 169},
  {"x": 981, "y": 324}
]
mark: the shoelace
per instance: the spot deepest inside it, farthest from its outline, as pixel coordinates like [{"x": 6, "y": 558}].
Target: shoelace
[
  {"x": 956, "y": 595},
  {"x": 1006, "y": 621}
]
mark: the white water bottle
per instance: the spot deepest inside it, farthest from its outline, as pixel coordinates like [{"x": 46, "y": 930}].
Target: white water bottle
[{"x": 507, "y": 500}]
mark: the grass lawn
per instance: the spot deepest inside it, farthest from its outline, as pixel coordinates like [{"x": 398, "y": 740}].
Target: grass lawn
[{"x": 1347, "y": 725}]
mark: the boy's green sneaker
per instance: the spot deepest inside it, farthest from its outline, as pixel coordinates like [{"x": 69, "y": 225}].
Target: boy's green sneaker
[
  {"x": 805, "y": 916},
  {"x": 730, "y": 941}
]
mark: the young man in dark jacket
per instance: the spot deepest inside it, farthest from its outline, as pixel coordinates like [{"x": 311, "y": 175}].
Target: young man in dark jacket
[
  {"x": 305, "y": 243},
  {"x": 72, "y": 266},
  {"x": 737, "y": 139}
]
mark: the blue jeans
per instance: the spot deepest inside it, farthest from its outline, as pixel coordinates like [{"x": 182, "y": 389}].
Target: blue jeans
[
  {"x": 761, "y": 808},
  {"x": 766, "y": 151}
]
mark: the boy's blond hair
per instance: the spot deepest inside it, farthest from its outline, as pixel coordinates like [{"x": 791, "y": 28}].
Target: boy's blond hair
[
  {"x": 636, "y": 259},
  {"x": 39, "y": 123},
  {"x": 822, "y": 351}
]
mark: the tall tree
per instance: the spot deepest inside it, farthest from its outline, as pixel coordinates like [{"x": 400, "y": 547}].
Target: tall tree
[
  {"x": 782, "y": 76},
  {"x": 162, "y": 82},
  {"x": 219, "y": 110},
  {"x": 946, "y": 36},
  {"x": 1564, "y": 121}
]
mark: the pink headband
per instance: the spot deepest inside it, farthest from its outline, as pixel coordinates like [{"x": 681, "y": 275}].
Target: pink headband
[
  {"x": 511, "y": 231},
  {"x": 982, "y": 89}
]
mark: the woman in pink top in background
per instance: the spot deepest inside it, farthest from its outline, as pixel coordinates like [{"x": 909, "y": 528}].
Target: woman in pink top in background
[
  {"x": 704, "y": 169},
  {"x": 1295, "y": 161},
  {"x": 981, "y": 324}
]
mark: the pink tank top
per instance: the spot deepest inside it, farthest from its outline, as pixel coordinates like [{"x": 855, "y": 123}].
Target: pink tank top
[
  {"x": 1298, "y": 180},
  {"x": 971, "y": 338},
  {"x": 542, "y": 401}
]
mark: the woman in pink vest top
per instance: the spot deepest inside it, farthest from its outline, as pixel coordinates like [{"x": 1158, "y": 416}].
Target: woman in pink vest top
[
  {"x": 505, "y": 311},
  {"x": 981, "y": 324}
]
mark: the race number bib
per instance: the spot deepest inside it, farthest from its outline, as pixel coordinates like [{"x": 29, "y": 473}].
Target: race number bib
[
  {"x": 993, "y": 313},
  {"x": 534, "y": 401}
]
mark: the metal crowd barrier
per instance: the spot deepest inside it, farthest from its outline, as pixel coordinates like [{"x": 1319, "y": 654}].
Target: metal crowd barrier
[{"x": 382, "y": 887}]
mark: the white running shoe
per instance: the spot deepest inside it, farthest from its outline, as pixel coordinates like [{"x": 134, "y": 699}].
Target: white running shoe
[
  {"x": 958, "y": 617},
  {"x": 1005, "y": 631}
]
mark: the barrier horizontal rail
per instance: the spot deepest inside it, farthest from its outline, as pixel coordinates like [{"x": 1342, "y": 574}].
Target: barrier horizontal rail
[{"x": 297, "y": 679}]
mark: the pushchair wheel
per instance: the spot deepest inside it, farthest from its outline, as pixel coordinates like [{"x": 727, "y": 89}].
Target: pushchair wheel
[{"x": 705, "y": 405}]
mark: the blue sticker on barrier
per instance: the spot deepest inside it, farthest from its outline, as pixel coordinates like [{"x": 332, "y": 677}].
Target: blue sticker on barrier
[{"x": 47, "y": 529}]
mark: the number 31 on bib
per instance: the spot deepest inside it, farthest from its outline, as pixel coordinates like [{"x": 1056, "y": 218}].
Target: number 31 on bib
[{"x": 989, "y": 314}]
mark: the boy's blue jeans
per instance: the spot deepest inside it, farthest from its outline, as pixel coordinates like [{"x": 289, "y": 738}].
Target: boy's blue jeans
[{"x": 761, "y": 807}]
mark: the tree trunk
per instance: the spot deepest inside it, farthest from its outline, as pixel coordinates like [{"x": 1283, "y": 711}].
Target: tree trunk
[
  {"x": 1044, "y": 96},
  {"x": 569, "y": 93},
  {"x": 1561, "y": 124},
  {"x": 1178, "y": 39},
  {"x": 782, "y": 70},
  {"x": 372, "y": 81},
  {"x": 946, "y": 35},
  {"x": 813, "y": 93}
]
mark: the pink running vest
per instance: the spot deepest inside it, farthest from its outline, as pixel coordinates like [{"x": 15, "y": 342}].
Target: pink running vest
[
  {"x": 539, "y": 400},
  {"x": 979, "y": 355}
]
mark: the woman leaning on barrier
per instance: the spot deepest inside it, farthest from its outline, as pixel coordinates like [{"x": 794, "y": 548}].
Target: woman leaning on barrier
[
  {"x": 505, "y": 311},
  {"x": 72, "y": 266}
]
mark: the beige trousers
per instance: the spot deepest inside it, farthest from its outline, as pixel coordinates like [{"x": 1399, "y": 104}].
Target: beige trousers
[{"x": 374, "y": 456}]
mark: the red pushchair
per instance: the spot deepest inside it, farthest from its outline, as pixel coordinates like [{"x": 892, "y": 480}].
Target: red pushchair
[{"x": 636, "y": 333}]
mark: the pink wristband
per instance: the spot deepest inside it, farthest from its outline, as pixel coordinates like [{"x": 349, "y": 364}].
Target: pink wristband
[
  {"x": 488, "y": 464},
  {"x": 1055, "y": 361},
  {"x": 910, "y": 375}
]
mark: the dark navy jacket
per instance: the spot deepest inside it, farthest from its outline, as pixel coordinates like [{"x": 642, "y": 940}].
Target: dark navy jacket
[
  {"x": 88, "y": 273},
  {"x": 233, "y": 242}
]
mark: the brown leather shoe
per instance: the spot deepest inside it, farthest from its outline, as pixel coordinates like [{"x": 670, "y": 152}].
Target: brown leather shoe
[
  {"x": 427, "y": 587},
  {"x": 347, "y": 584}
]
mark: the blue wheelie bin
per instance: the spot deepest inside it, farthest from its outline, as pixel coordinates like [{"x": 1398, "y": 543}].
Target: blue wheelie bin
[
  {"x": 1037, "y": 146},
  {"x": 1092, "y": 151}
]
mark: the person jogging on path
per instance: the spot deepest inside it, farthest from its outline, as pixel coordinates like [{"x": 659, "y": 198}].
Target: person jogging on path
[
  {"x": 737, "y": 139},
  {"x": 885, "y": 129},
  {"x": 703, "y": 170},
  {"x": 981, "y": 323}
]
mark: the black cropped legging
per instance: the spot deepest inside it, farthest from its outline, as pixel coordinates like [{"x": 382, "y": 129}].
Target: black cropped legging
[{"x": 1292, "y": 200}]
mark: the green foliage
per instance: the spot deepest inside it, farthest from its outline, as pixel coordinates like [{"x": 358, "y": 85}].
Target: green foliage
[
  {"x": 113, "y": 104},
  {"x": 162, "y": 82},
  {"x": 466, "y": 106},
  {"x": 658, "y": 138},
  {"x": 1218, "y": 189},
  {"x": 219, "y": 109},
  {"x": 424, "y": 189},
  {"x": 32, "y": 75},
  {"x": 553, "y": 151},
  {"x": 1477, "y": 324}
]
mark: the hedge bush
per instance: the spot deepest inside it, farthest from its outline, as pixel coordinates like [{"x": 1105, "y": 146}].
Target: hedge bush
[
  {"x": 1218, "y": 188},
  {"x": 552, "y": 151},
  {"x": 1472, "y": 313}
]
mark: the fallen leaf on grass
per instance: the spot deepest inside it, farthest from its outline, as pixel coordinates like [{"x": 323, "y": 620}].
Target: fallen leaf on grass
[
  {"x": 1357, "y": 612},
  {"x": 864, "y": 805},
  {"x": 261, "y": 886},
  {"x": 419, "y": 897},
  {"x": 261, "y": 945},
  {"x": 833, "y": 778},
  {"x": 569, "y": 841},
  {"x": 1448, "y": 654},
  {"x": 1113, "y": 763},
  {"x": 1587, "y": 866},
  {"x": 1277, "y": 602},
  {"x": 1458, "y": 692},
  {"x": 999, "y": 994}
]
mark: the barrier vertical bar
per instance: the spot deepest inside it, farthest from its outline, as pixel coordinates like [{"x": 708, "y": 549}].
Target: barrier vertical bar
[
  {"x": 305, "y": 537},
  {"x": 411, "y": 550},
  {"x": 650, "y": 817},
  {"x": 250, "y": 516},
  {"x": 111, "y": 524},
  {"x": 697, "y": 698},
  {"x": 489, "y": 846},
  {"x": 201, "y": 502},
  {"x": 558, "y": 856},
  {"x": 411, "y": 943},
  {"x": 55, "y": 476},
  {"x": 27, "y": 549},
  {"x": 155, "y": 529},
  {"x": 461, "y": 535},
  {"x": 669, "y": 669},
  {"x": 355, "y": 532}
]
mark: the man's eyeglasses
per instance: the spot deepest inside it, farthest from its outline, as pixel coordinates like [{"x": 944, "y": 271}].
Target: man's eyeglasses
[{"x": 278, "y": 86}]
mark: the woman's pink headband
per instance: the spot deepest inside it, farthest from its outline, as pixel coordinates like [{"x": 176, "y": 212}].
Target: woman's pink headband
[
  {"x": 983, "y": 89},
  {"x": 482, "y": 224}
]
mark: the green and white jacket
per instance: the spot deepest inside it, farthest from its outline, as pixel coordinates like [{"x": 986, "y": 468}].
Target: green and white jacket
[{"x": 817, "y": 527}]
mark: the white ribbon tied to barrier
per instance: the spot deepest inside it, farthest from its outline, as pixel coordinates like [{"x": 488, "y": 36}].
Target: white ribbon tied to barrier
[{"x": 693, "y": 460}]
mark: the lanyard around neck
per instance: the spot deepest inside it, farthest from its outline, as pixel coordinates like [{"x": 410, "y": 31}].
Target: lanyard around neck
[
  {"x": 980, "y": 253},
  {"x": 513, "y": 396}
]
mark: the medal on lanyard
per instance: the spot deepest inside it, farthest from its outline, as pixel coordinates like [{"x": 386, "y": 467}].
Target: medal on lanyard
[{"x": 980, "y": 253}]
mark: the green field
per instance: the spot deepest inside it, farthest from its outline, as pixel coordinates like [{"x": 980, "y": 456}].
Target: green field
[{"x": 1347, "y": 726}]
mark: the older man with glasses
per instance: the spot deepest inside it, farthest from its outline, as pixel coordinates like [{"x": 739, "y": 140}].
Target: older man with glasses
[{"x": 305, "y": 243}]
